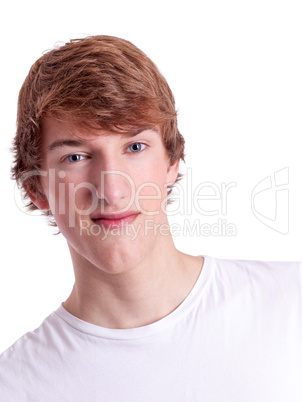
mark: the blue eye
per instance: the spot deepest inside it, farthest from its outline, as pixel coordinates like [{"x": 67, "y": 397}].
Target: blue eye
[
  {"x": 136, "y": 147},
  {"x": 74, "y": 158}
]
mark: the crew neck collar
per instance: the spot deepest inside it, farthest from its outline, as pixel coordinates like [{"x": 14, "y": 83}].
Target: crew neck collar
[{"x": 148, "y": 330}]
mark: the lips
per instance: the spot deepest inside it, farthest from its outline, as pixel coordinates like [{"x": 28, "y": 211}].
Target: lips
[{"x": 113, "y": 221}]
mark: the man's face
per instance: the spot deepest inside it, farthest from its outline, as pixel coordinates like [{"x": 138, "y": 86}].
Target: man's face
[{"x": 107, "y": 192}]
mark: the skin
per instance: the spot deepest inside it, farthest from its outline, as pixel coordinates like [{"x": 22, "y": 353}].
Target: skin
[{"x": 121, "y": 280}]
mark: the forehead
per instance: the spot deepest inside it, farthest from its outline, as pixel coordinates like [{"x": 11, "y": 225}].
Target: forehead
[{"x": 53, "y": 129}]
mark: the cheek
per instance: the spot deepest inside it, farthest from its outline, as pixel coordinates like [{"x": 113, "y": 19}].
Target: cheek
[
  {"x": 151, "y": 192},
  {"x": 154, "y": 174},
  {"x": 81, "y": 198},
  {"x": 68, "y": 198}
]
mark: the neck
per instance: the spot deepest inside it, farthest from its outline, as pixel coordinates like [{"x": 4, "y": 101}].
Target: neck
[{"x": 137, "y": 295}]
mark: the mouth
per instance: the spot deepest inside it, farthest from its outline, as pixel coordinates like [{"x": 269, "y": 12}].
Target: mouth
[{"x": 115, "y": 221}]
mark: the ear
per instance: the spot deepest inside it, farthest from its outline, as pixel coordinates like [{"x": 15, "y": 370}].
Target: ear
[
  {"x": 37, "y": 198},
  {"x": 173, "y": 172}
]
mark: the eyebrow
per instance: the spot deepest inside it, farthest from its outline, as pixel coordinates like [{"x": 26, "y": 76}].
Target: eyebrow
[
  {"x": 77, "y": 143},
  {"x": 140, "y": 130},
  {"x": 64, "y": 143}
]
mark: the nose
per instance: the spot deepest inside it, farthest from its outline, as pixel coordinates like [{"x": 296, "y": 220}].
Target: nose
[{"x": 115, "y": 187}]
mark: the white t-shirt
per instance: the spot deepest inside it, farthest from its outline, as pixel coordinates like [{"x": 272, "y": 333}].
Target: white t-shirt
[{"x": 236, "y": 338}]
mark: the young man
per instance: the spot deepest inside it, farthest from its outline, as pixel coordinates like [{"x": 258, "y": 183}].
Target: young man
[{"x": 97, "y": 149}]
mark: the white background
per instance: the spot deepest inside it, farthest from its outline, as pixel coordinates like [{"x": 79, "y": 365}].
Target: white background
[{"x": 235, "y": 70}]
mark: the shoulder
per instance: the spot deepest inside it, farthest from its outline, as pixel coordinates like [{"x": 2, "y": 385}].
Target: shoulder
[
  {"x": 271, "y": 279},
  {"x": 257, "y": 267},
  {"x": 27, "y": 357}
]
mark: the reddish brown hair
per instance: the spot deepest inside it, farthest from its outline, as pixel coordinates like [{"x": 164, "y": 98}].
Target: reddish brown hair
[{"x": 98, "y": 81}]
